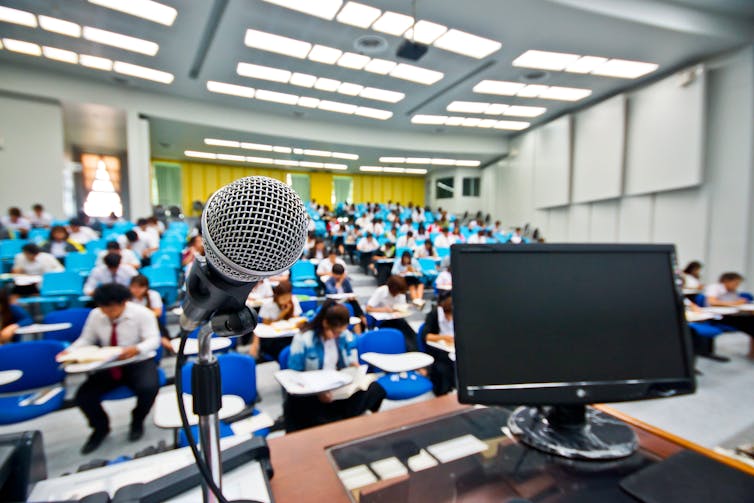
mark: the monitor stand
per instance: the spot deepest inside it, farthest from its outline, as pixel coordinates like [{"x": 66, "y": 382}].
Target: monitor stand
[{"x": 573, "y": 431}]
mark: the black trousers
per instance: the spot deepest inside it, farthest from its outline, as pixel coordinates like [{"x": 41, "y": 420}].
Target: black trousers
[
  {"x": 140, "y": 377},
  {"x": 442, "y": 373},
  {"x": 408, "y": 333},
  {"x": 307, "y": 411},
  {"x": 743, "y": 322}
]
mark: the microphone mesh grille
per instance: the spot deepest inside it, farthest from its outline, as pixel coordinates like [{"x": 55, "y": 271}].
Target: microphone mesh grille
[{"x": 254, "y": 227}]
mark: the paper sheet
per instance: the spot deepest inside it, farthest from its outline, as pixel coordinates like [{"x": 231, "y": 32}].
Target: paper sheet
[{"x": 311, "y": 382}]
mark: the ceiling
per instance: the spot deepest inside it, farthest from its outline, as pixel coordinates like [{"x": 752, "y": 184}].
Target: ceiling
[{"x": 686, "y": 32}]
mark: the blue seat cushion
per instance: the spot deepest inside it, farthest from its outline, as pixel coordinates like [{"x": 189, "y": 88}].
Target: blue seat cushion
[
  {"x": 122, "y": 392},
  {"x": 11, "y": 410},
  {"x": 403, "y": 388},
  {"x": 706, "y": 330},
  {"x": 225, "y": 431}
]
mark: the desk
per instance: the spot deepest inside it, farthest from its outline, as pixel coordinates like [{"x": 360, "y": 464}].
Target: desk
[
  {"x": 192, "y": 345},
  {"x": 166, "y": 413},
  {"x": 9, "y": 376},
  {"x": 36, "y": 329},
  {"x": 303, "y": 471}
]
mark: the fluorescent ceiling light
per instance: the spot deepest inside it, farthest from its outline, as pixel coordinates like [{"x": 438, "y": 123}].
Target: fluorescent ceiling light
[
  {"x": 17, "y": 16},
  {"x": 532, "y": 91},
  {"x": 231, "y": 89},
  {"x": 454, "y": 121},
  {"x": 324, "y": 84},
  {"x": 469, "y": 107},
  {"x": 95, "y": 62},
  {"x": 487, "y": 123},
  {"x": 336, "y": 106},
  {"x": 310, "y": 164},
  {"x": 120, "y": 41},
  {"x": 416, "y": 171},
  {"x": 371, "y": 169},
  {"x": 276, "y": 97},
  {"x": 263, "y": 72},
  {"x": 467, "y": 44},
  {"x": 545, "y": 60},
  {"x": 340, "y": 167},
  {"x": 307, "y": 102},
  {"x": 514, "y": 125},
  {"x": 471, "y": 122},
  {"x": 565, "y": 93},
  {"x": 281, "y": 150},
  {"x": 325, "y": 9},
  {"x": 416, "y": 74},
  {"x": 380, "y": 66},
  {"x": 22, "y": 47},
  {"x": 143, "y": 72},
  {"x": 499, "y": 87},
  {"x": 60, "y": 55},
  {"x": 221, "y": 143},
  {"x": 585, "y": 64},
  {"x": 523, "y": 111},
  {"x": 393, "y": 159},
  {"x": 201, "y": 155},
  {"x": 343, "y": 155},
  {"x": 625, "y": 69},
  {"x": 353, "y": 60},
  {"x": 259, "y": 160},
  {"x": 256, "y": 146},
  {"x": 496, "y": 109},
  {"x": 145, "y": 9},
  {"x": 318, "y": 153},
  {"x": 359, "y": 15},
  {"x": 429, "y": 119},
  {"x": 286, "y": 162},
  {"x": 277, "y": 43},
  {"x": 418, "y": 160},
  {"x": 350, "y": 89},
  {"x": 231, "y": 157},
  {"x": 468, "y": 163},
  {"x": 374, "y": 93},
  {"x": 303, "y": 80},
  {"x": 393, "y": 23},
  {"x": 443, "y": 162},
  {"x": 324, "y": 54},
  {"x": 392, "y": 169},
  {"x": 373, "y": 113},
  {"x": 298, "y": 151},
  {"x": 425, "y": 32},
  {"x": 60, "y": 26}
]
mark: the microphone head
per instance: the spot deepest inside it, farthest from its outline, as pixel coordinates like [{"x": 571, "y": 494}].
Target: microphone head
[{"x": 254, "y": 227}]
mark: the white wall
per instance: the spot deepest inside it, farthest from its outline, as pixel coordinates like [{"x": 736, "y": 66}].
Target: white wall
[
  {"x": 711, "y": 220},
  {"x": 31, "y": 154},
  {"x": 460, "y": 204}
]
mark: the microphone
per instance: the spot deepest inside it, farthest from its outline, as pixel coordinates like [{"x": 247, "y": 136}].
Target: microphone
[{"x": 252, "y": 228}]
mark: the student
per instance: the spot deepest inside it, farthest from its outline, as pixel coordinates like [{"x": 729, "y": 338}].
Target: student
[
  {"x": 12, "y": 317},
  {"x": 387, "y": 299},
  {"x": 283, "y": 306},
  {"x": 725, "y": 293},
  {"x": 692, "y": 275},
  {"x": 516, "y": 238},
  {"x": 324, "y": 268},
  {"x": 406, "y": 241},
  {"x": 118, "y": 322},
  {"x": 33, "y": 261},
  {"x": 80, "y": 232},
  {"x": 443, "y": 239},
  {"x": 339, "y": 284},
  {"x": 410, "y": 270},
  {"x": 127, "y": 256},
  {"x": 444, "y": 280},
  {"x": 367, "y": 246},
  {"x": 479, "y": 238},
  {"x": 425, "y": 251},
  {"x": 149, "y": 240},
  {"x": 60, "y": 244},
  {"x": 39, "y": 218},
  {"x": 15, "y": 223},
  {"x": 421, "y": 233},
  {"x": 318, "y": 251},
  {"x": 326, "y": 344},
  {"x": 195, "y": 248},
  {"x": 438, "y": 327},
  {"x": 111, "y": 271},
  {"x": 144, "y": 296}
]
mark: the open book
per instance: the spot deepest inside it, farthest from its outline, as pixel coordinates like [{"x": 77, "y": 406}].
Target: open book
[
  {"x": 342, "y": 384},
  {"x": 90, "y": 354}
]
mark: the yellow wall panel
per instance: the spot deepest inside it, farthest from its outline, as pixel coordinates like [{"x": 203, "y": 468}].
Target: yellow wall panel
[{"x": 320, "y": 187}]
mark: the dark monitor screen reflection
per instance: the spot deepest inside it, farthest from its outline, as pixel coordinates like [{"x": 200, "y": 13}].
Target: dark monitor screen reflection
[{"x": 565, "y": 326}]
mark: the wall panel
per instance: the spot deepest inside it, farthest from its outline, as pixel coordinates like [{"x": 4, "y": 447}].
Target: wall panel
[
  {"x": 604, "y": 222},
  {"x": 552, "y": 163}
]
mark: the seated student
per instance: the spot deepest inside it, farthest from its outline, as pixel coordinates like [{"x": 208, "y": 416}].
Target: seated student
[
  {"x": 16, "y": 224},
  {"x": 324, "y": 268},
  {"x": 283, "y": 306},
  {"x": 60, "y": 244},
  {"x": 318, "y": 251},
  {"x": 118, "y": 322},
  {"x": 406, "y": 241},
  {"x": 80, "y": 232},
  {"x": 12, "y": 317},
  {"x": 32, "y": 260},
  {"x": 386, "y": 299},
  {"x": 367, "y": 246},
  {"x": 144, "y": 296},
  {"x": 421, "y": 233},
  {"x": 195, "y": 248},
  {"x": 39, "y": 218},
  {"x": 326, "y": 344},
  {"x": 339, "y": 283},
  {"x": 725, "y": 293},
  {"x": 692, "y": 275},
  {"x": 111, "y": 271},
  {"x": 410, "y": 270},
  {"x": 425, "y": 251},
  {"x": 516, "y": 238},
  {"x": 444, "y": 280},
  {"x": 127, "y": 256},
  {"x": 479, "y": 238},
  {"x": 438, "y": 327},
  {"x": 443, "y": 240}
]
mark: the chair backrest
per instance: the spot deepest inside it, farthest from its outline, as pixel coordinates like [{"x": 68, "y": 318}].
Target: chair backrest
[
  {"x": 160, "y": 275},
  {"x": 399, "y": 252},
  {"x": 746, "y": 295},
  {"x": 9, "y": 248},
  {"x": 420, "y": 338},
  {"x": 95, "y": 246},
  {"x": 38, "y": 236},
  {"x": 428, "y": 264},
  {"x": 167, "y": 257},
  {"x": 700, "y": 300},
  {"x": 80, "y": 262},
  {"x": 237, "y": 374},
  {"x": 443, "y": 252},
  {"x": 76, "y": 316},
  {"x": 62, "y": 283},
  {"x": 387, "y": 341},
  {"x": 303, "y": 269},
  {"x": 283, "y": 357},
  {"x": 36, "y": 359},
  {"x": 308, "y": 305}
]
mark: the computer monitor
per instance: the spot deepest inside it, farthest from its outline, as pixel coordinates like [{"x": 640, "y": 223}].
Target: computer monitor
[{"x": 557, "y": 327}]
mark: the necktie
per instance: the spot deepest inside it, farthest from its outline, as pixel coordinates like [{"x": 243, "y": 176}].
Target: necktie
[
  {"x": 115, "y": 276},
  {"x": 115, "y": 372}
]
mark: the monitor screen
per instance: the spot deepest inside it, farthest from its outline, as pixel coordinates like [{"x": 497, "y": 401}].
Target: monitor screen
[{"x": 555, "y": 324}]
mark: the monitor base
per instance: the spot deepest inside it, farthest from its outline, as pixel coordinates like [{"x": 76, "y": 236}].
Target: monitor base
[{"x": 573, "y": 431}]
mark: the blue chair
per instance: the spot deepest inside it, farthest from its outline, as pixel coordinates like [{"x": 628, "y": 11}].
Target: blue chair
[
  {"x": 39, "y": 390},
  {"x": 308, "y": 307},
  {"x": 76, "y": 316},
  {"x": 391, "y": 341},
  {"x": 225, "y": 431},
  {"x": 166, "y": 258},
  {"x": 95, "y": 246},
  {"x": 38, "y": 236},
  {"x": 283, "y": 357},
  {"x": 9, "y": 248},
  {"x": 443, "y": 252},
  {"x": 58, "y": 289},
  {"x": 399, "y": 252},
  {"x": 429, "y": 269},
  {"x": 303, "y": 271},
  {"x": 80, "y": 263},
  {"x": 164, "y": 280}
]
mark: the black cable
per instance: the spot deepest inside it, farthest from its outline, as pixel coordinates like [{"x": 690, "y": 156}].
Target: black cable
[{"x": 204, "y": 470}]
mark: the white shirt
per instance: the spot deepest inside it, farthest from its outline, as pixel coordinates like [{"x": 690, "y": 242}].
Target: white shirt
[
  {"x": 59, "y": 248},
  {"x": 405, "y": 242},
  {"x": 331, "y": 355},
  {"x": 42, "y": 263},
  {"x": 379, "y": 229},
  {"x": 325, "y": 267},
  {"x": 446, "y": 326},
  {"x": 20, "y": 223},
  {"x": 148, "y": 238},
  {"x": 84, "y": 235},
  {"x": 136, "y": 326},
  {"x": 516, "y": 239},
  {"x": 444, "y": 281},
  {"x": 477, "y": 239},
  {"x": 690, "y": 281},
  {"x": 155, "y": 301},
  {"x": 421, "y": 252},
  {"x": 43, "y": 220},
  {"x": 719, "y": 291},
  {"x": 271, "y": 311},
  {"x": 442, "y": 241},
  {"x": 382, "y": 298},
  {"x": 127, "y": 257},
  {"x": 401, "y": 269},
  {"x": 101, "y": 275},
  {"x": 263, "y": 290},
  {"x": 367, "y": 245}
]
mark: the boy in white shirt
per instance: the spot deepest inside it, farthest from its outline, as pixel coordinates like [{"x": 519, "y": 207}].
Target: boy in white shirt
[
  {"x": 387, "y": 299},
  {"x": 725, "y": 293},
  {"x": 39, "y": 218}
]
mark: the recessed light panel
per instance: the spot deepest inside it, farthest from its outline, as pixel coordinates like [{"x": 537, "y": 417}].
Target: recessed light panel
[
  {"x": 393, "y": 23},
  {"x": 325, "y": 9},
  {"x": 505, "y": 88},
  {"x": 575, "y": 63},
  {"x": 60, "y": 55},
  {"x": 145, "y": 9},
  {"x": 120, "y": 41},
  {"x": 621, "y": 68},
  {"x": 60, "y": 26},
  {"x": 380, "y": 66},
  {"x": 22, "y": 47},
  {"x": 467, "y": 44},
  {"x": 425, "y": 32},
  {"x": 324, "y": 54},
  {"x": 199, "y": 155},
  {"x": 143, "y": 72},
  {"x": 353, "y": 60},
  {"x": 231, "y": 89},
  {"x": 467, "y": 122},
  {"x": 17, "y": 16},
  {"x": 96, "y": 62},
  {"x": 277, "y": 44},
  {"x": 359, "y": 15},
  {"x": 544, "y": 60},
  {"x": 416, "y": 74}
]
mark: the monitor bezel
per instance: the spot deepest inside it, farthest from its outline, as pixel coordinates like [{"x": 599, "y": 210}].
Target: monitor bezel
[{"x": 582, "y": 392}]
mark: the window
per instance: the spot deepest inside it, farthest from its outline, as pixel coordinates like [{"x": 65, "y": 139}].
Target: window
[
  {"x": 444, "y": 188},
  {"x": 102, "y": 181},
  {"x": 471, "y": 187},
  {"x": 166, "y": 184},
  {"x": 342, "y": 189},
  {"x": 301, "y": 184}
]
